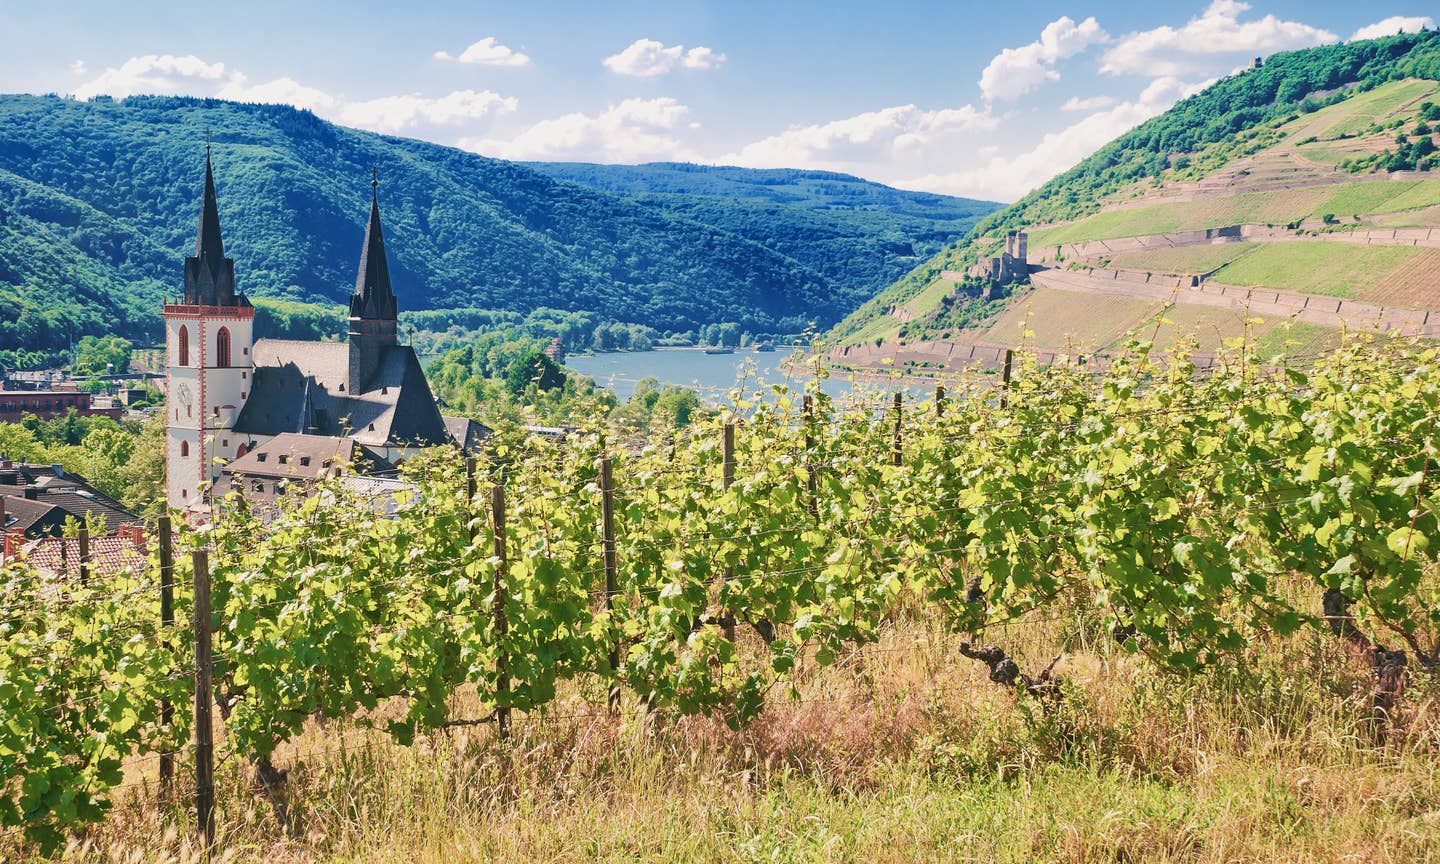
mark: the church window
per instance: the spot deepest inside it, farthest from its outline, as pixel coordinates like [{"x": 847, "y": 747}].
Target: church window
[
  {"x": 184, "y": 349},
  {"x": 184, "y": 449},
  {"x": 222, "y": 347}
]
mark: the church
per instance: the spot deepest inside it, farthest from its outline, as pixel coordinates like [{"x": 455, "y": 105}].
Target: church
[{"x": 229, "y": 395}]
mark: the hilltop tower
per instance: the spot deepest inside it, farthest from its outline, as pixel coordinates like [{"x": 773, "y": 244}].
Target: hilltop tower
[
  {"x": 373, "y": 311},
  {"x": 209, "y": 333}
]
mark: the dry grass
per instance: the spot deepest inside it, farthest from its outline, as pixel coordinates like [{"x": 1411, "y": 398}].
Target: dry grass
[{"x": 900, "y": 752}]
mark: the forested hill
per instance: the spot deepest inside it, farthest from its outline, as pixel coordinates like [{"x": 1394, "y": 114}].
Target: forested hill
[
  {"x": 1312, "y": 120},
  {"x": 98, "y": 202},
  {"x": 852, "y": 231}
]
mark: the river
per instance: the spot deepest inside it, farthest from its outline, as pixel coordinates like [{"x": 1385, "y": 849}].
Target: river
[{"x": 713, "y": 376}]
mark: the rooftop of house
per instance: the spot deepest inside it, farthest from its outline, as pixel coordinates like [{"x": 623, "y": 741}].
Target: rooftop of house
[
  {"x": 308, "y": 457},
  {"x": 38, "y": 498}
]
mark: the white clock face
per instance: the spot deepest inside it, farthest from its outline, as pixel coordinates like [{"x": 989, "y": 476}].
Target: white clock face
[{"x": 183, "y": 394}]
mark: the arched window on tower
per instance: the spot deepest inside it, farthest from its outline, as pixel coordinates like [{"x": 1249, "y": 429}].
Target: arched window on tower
[
  {"x": 184, "y": 348},
  {"x": 184, "y": 449},
  {"x": 222, "y": 347}
]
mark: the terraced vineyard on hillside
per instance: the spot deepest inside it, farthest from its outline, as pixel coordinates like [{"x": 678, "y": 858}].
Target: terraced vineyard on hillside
[{"x": 1269, "y": 224}]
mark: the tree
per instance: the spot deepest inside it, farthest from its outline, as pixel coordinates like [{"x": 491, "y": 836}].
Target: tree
[
  {"x": 101, "y": 355},
  {"x": 534, "y": 367}
]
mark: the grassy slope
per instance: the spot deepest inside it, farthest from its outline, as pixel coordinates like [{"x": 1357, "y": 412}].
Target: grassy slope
[
  {"x": 1186, "y": 259},
  {"x": 906, "y": 754},
  {"x": 1332, "y": 269},
  {"x": 1234, "y": 119}
]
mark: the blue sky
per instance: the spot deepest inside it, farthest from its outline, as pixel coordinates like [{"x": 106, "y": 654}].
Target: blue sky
[{"x": 979, "y": 99}]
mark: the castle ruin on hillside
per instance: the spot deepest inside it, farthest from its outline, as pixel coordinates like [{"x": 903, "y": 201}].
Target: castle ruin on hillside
[{"x": 1011, "y": 265}]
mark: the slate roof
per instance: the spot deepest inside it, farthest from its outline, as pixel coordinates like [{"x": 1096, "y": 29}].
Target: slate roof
[
  {"x": 296, "y": 380},
  {"x": 469, "y": 434},
  {"x": 56, "y": 489},
  {"x": 209, "y": 275},
  {"x": 373, "y": 297},
  {"x": 306, "y": 457}
]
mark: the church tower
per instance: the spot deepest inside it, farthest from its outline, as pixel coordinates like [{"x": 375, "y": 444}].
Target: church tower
[
  {"x": 372, "y": 307},
  {"x": 208, "y": 340}
]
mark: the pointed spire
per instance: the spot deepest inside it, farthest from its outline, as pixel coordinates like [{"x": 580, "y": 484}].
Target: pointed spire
[
  {"x": 209, "y": 247},
  {"x": 373, "y": 298},
  {"x": 209, "y": 275}
]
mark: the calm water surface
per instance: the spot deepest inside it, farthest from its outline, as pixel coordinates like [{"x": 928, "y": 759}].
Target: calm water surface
[{"x": 713, "y": 376}]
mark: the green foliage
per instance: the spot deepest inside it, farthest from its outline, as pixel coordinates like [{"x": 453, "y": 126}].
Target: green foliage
[
  {"x": 859, "y": 235},
  {"x": 534, "y": 369},
  {"x": 100, "y": 356},
  {"x": 1178, "y": 506},
  {"x": 125, "y": 459}
]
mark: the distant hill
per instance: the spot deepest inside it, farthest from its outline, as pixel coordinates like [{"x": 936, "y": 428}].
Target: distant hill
[
  {"x": 1314, "y": 177},
  {"x": 98, "y": 202},
  {"x": 859, "y": 235}
]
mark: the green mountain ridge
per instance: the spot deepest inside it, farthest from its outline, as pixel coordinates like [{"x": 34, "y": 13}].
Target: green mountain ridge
[
  {"x": 852, "y": 231},
  {"x": 99, "y": 205},
  {"x": 1233, "y": 119}
]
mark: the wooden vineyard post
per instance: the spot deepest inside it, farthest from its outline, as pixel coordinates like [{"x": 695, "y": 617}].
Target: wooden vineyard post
[
  {"x": 84, "y": 554},
  {"x": 167, "y": 622},
  {"x": 470, "y": 496},
  {"x": 810, "y": 476},
  {"x": 607, "y": 532},
  {"x": 727, "y": 450},
  {"x": 1005, "y": 379},
  {"x": 204, "y": 734},
  {"x": 899, "y": 408},
  {"x": 939, "y": 400},
  {"x": 502, "y": 658}
]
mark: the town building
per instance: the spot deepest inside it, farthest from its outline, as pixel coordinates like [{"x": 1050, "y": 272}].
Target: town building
[
  {"x": 292, "y": 461},
  {"x": 229, "y": 394},
  {"x": 56, "y": 401},
  {"x": 37, "y": 501}
]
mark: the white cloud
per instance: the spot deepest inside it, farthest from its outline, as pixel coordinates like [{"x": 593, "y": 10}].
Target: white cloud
[
  {"x": 397, "y": 113},
  {"x": 78, "y": 67},
  {"x": 281, "y": 91},
  {"x": 191, "y": 76},
  {"x": 1392, "y": 25},
  {"x": 903, "y": 131},
  {"x": 646, "y": 58},
  {"x": 635, "y": 130},
  {"x": 1218, "y": 30},
  {"x": 1094, "y": 103},
  {"x": 153, "y": 74},
  {"x": 1016, "y": 71},
  {"x": 1006, "y": 178},
  {"x": 487, "y": 52}
]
